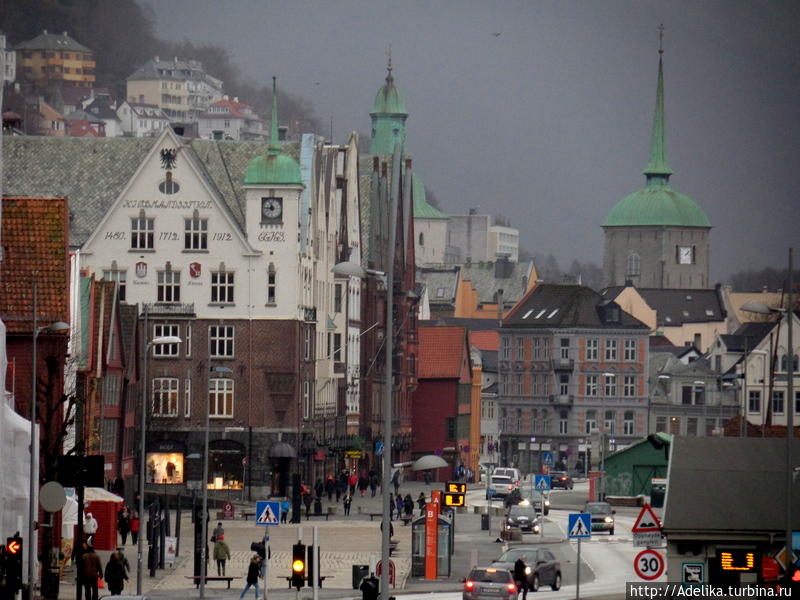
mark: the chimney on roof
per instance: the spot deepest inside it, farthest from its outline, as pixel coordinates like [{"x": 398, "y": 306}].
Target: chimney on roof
[
  {"x": 236, "y": 98},
  {"x": 44, "y": 31},
  {"x": 502, "y": 267}
]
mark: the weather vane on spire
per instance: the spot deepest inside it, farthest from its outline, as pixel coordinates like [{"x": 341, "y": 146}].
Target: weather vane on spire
[
  {"x": 661, "y": 39},
  {"x": 389, "y": 54}
]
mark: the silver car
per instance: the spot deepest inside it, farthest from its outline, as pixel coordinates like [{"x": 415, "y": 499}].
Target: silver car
[
  {"x": 542, "y": 566},
  {"x": 489, "y": 583}
]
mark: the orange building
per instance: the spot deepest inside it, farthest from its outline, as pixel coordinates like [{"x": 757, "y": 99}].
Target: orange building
[{"x": 53, "y": 57}]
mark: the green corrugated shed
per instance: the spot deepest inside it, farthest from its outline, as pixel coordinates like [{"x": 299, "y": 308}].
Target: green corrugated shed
[{"x": 629, "y": 471}]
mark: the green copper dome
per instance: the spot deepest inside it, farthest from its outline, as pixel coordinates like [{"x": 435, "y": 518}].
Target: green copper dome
[
  {"x": 389, "y": 100},
  {"x": 273, "y": 168},
  {"x": 423, "y": 210},
  {"x": 657, "y": 205}
]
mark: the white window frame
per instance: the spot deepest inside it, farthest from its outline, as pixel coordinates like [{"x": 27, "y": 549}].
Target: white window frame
[
  {"x": 195, "y": 233},
  {"x": 306, "y": 399},
  {"x": 592, "y": 345},
  {"x": 221, "y": 340},
  {"x": 611, "y": 349},
  {"x": 164, "y": 395},
  {"x": 222, "y": 287},
  {"x": 505, "y": 351},
  {"x": 629, "y": 352},
  {"x": 591, "y": 386},
  {"x": 220, "y": 393},
  {"x": 188, "y": 340},
  {"x": 520, "y": 347},
  {"x": 629, "y": 386},
  {"x": 629, "y": 425},
  {"x": 120, "y": 277},
  {"x": 143, "y": 232},
  {"x": 168, "y": 287},
  {"x": 610, "y": 385},
  {"x": 187, "y": 398},
  {"x": 610, "y": 423},
  {"x": 590, "y": 423},
  {"x": 272, "y": 285},
  {"x": 166, "y": 350}
]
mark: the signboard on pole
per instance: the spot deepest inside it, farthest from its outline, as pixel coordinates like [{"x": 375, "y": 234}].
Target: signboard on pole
[
  {"x": 647, "y": 521},
  {"x": 268, "y": 513},
  {"x": 547, "y": 458},
  {"x": 579, "y": 526},
  {"x": 648, "y": 565},
  {"x": 431, "y": 539},
  {"x": 392, "y": 571},
  {"x": 541, "y": 483},
  {"x": 649, "y": 539}
]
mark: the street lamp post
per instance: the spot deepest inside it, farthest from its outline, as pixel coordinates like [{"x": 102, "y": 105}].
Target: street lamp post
[
  {"x": 165, "y": 339},
  {"x": 788, "y": 313},
  {"x": 57, "y": 326},
  {"x": 204, "y": 517},
  {"x": 606, "y": 376}
]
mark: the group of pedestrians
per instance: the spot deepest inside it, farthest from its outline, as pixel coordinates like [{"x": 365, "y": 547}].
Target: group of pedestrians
[
  {"x": 128, "y": 523},
  {"x": 222, "y": 554},
  {"x": 91, "y": 572},
  {"x": 403, "y": 506}
]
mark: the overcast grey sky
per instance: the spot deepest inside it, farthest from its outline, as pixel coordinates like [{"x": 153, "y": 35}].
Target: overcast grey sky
[{"x": 549, "y": 122}]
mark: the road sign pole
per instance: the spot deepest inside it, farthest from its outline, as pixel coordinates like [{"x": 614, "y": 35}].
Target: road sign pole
[
  {"x": 578, "y": 573},
  {"x": 266, "y": 564}
]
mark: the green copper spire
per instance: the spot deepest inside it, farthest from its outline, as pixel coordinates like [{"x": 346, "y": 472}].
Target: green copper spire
[
  {"x": 658, "y": 170},
  {"x": 274, "y": 168},
  {"x": 274, "y": 146}
]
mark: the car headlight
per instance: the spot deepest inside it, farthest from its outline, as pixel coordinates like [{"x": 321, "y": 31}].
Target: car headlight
[
  {"x": 527, "y": 570},
  {"x": 609, "y": 520},
  {"x": 547, "y": 502}
]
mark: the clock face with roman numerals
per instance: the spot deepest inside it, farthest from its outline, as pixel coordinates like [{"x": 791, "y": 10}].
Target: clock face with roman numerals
[{"x": 271, "y": 208}]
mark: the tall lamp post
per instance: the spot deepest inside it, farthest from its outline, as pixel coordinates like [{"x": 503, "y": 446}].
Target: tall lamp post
[
  {"x": 606, "y": 377},
  {"x": 204, "y": 516},
  {"x": 788, "y": 313},
  {"x": 57, "y": 326},
  {"x": 164, "y": 339}
]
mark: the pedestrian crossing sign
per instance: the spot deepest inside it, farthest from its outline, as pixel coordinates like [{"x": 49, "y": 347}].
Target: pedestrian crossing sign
[
  {"x": 579, "y": 525},
  {"x": 541, "y": 483},
  {"x": 267, "y": 513}
]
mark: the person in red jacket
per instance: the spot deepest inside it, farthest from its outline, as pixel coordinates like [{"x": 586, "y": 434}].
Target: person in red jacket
[{"x": 134, "y": 527}]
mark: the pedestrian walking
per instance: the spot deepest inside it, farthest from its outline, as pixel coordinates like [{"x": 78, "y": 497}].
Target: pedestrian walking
[
  {"x": 363, "y": 482},
  {"x": 253, "y": 571},
  {"x": 307, "y": 501},
  {"x": 219, "y": 530},
  {"x": 89, "y": 571},
  {"x": 90, "y": 528},
  {"x": 341, "y": 487},
  {"x": 391, "y": 506},
  {"x": 351, "y": 482},
  {"x": 373, "y": 484},
  {"x": 134, "y": 527},
  {"x": 319, "y": 488},
  {"x": 115, "y": 574},
  {"x": 399, "y": 503},
  {"x": 124, "y": 524},
  {"x": 396, "y": 482},
  {"x": 123, "y": 560},
  {"x": 521, "y": 577},
  {"x": 408, "y": 505},
  {"x": 421, "y": 503},
  {"x": 221, "y": 553},
  {"x": 284, "y": 510},
  {"x": 348, "y": 500},
  {"x": 330, "y": 487}
]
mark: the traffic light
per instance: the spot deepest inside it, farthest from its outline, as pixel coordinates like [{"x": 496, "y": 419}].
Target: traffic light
[
  {"x": 14, "y": 562},
  {"x": 310, "y": 566},
  {"x": 298, "y": 565}
]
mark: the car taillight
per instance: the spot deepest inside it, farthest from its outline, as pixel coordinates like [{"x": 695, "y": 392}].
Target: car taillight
[
  {"x": 512, "y": 587},
  {"x": 468, "y": 585},
  {"x": 511, "y": 487}
]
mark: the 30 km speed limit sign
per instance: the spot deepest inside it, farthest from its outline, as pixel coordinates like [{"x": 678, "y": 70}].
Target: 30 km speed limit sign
[{"x": 648, "y": 564}]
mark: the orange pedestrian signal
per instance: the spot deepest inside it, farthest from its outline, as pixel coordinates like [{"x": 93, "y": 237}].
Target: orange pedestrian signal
[{"x": 453, "y": 499}]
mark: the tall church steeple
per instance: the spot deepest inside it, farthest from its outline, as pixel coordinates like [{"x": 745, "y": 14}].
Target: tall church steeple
[
  {"x": 658, "y": 170},
  {"x": 388, "y": 117}
]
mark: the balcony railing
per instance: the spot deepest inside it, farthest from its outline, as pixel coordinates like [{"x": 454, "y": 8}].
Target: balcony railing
[
  {"x": 562, "y": 364},
  {"x": 183, "y": 309},
  {"x": 562, "y": 399}
]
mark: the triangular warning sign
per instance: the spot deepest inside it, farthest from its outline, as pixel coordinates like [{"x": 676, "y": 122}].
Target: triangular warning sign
[
  {"x": 267, "y": 516},
  {"x": 579, "y": 529},
  {"x": 646, "y": 521},
  {"x": 542, "y": 484}
]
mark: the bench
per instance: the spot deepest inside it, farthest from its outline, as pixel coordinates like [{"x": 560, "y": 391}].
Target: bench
[
  {"x": 406, "y": 519},
  {"x": 246, "y": 515},
  {"x": 208, "y": 578},
  {"x": 373, "y": 515},
  {"x": 326, "y": 515}
]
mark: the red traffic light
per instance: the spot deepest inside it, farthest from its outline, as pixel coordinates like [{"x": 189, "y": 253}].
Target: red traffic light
[{"x": 13, "y": 547}]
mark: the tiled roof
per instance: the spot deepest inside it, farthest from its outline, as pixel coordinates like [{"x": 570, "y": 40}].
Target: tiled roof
[
  {"x": 747, "y": 336},
  {"x": 236, "y": 110},
  {"x": 92, "y": 172},
  {"x": 52, "y": 41},
  {"x": 485, "y": 340},
  {"x": 550, "y": 305},
  {"x": 441, "y": 283},
  {"x": 38, "y": 252},
  {"x": 441, "y": 352},
  {"x": 487, "y": 283},
  {"x": 675, "y": 307}
]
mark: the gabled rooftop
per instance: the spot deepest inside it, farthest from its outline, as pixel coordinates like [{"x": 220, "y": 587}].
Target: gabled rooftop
[
  {"x": 441, "y": 352},
  {"x": 674, "y": 307},
  {"x": 52, "y": 41}
]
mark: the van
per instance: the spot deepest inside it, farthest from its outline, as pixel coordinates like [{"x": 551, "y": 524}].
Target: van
[{"x": 514, "y": 474}]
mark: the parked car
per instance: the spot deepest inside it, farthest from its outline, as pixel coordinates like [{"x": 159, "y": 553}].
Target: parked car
[
  {"x": 543, "y": 568},
  {"x": 500, "y": 486},
  {"x": 489, "y": 582},
  {"x": 538, "y": 500},
  {"x": 560, "y": 479},
  {"x": 602, "y": 516},
  {"x": 523, "y": 516}
]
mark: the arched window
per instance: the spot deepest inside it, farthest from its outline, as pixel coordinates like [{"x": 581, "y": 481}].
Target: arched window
[
  {"x": 421, "y": 239},
  {"x": 634, "y": 265},
  {"x": 784, "y": 362}
]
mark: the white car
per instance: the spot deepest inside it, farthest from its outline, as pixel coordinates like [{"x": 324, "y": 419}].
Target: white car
[{"x": 500, "y": 486}]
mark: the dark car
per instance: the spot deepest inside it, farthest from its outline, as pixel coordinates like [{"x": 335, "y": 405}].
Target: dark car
[
  {"x": 560, "y": 479},
  {"x": 543, "y": 568},
  {"x": 523, "y": 516},
  {"x": 602, "y": 516},
  {"x": 489, "y": 582}
]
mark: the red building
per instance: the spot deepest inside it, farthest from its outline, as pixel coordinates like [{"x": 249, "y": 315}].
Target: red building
[{"x": 442, "y": 401}]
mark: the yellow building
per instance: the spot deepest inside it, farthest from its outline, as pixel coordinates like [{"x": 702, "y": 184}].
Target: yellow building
[{"x": 54, "y": 57}]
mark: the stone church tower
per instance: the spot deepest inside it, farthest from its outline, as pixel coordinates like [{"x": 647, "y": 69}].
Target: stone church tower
[{"x": 657, "y": 237}]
